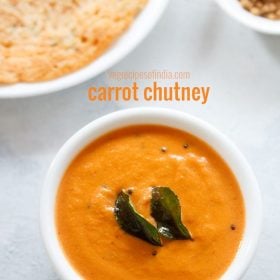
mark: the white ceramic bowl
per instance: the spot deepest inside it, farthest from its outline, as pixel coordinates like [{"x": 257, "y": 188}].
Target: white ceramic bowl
[
  {"x": 142, "y": 25},
  {"x": 214, "y": 138},
  {"x": 234, "y": 9}
]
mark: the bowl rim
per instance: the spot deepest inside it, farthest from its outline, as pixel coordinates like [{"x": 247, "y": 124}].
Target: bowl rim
[
  {"x": 161, "y": 116},
  {"x": 126, "y": 43},
  {"x": 258, "y": 23}
]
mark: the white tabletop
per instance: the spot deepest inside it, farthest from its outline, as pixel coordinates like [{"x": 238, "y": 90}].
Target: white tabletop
[{"x": 241, "y": 66}]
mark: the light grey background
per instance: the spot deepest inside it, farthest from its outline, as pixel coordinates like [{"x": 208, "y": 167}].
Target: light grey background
[{"x": 241, "y": 66}]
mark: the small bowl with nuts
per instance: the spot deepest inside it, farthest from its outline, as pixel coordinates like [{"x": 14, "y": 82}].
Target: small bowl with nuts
[{"x": 260, "y": 15}]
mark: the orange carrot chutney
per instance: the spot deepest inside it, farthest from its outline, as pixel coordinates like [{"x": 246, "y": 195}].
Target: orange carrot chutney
[{"x": 137, "y": 158}]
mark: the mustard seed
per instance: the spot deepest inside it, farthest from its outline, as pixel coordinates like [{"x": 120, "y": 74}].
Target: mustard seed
[
  {"x": 233, "y": 227},
  {"x": 130, "y": 191}
]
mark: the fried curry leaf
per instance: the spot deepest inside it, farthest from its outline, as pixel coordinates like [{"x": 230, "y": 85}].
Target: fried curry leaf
[
  {"x": 166, "y": 210},
  {"x": 133, "y": 223}
]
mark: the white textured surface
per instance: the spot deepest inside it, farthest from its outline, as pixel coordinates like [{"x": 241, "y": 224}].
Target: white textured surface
[{"x": 243, "y": 68}]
